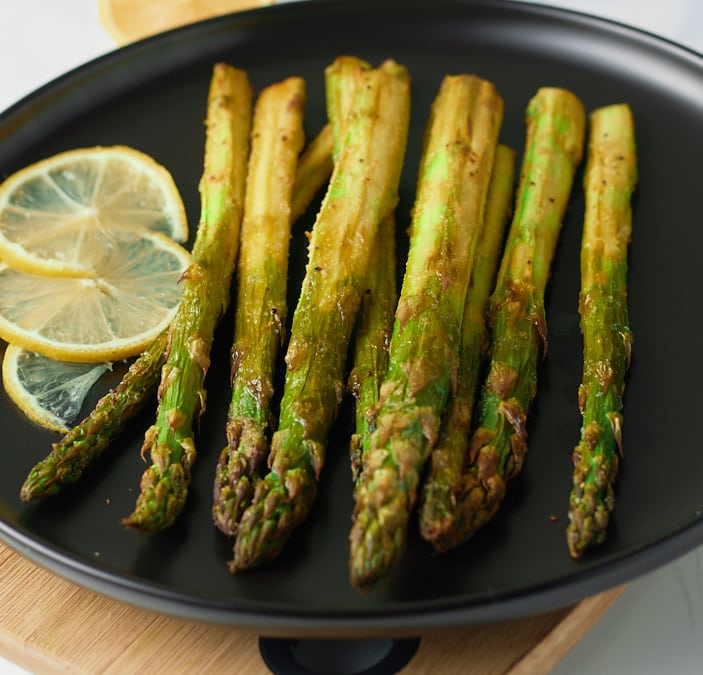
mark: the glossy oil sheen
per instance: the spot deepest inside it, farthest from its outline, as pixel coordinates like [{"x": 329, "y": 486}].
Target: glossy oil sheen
[{"x": 152, "y": 95}]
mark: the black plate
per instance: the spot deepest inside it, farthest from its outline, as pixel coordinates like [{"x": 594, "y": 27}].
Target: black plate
[{"x": 152, "y": 95}]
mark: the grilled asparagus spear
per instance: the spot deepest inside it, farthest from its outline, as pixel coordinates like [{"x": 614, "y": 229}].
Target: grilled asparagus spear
[
  {"x": 313, "y": 171},
  {"x": 454, "y": 174},
  {"x": 375, "y": 321},
  {"x": 554, "y": 147},
  {"x": 609, "y": 181},
  {"x": 372, "y": 339},
  {"x": 261, "y": 309},
  {"x": 169, "y": 441},
  {"x": 86, "y": 441},
  {"x": 441, "y": 499},
  {"x": 362, "y": 192}
]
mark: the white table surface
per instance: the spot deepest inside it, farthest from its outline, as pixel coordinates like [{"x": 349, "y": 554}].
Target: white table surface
[{"x": 656, "y": 625}]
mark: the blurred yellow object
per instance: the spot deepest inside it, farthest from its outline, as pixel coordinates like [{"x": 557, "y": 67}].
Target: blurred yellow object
[{"x": 129, "y": 20}]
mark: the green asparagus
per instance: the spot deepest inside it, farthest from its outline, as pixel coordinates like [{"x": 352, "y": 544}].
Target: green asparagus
[
  {"x": 261, "y": 309},
  {"x": 454, "y": 174},
  {"x": 441, "y": 498},
  {"x": 553, "y": 150},
  {"x": 609, "y": 181},
  {"x": 363, "y": 190},
  {"x": 86, "y": 441},
  {"x": 169, "y": 441},
  {"x": 313, "y": 171},
  {"x": 375, "y": 320},
  {"x": 372, "y": 340}
]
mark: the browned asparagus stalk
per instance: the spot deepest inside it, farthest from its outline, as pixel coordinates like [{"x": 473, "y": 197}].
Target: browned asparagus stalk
[
  {"x": 371, "y": 345},
  {"x": 440, "y": 516},
  {"x": 261, "y": 309},
  {"x": 553, "y": 150},
  {"x": 206, "y": 288},
  {"x": 610, "y": 179},
  {"x": 313, "y": 171},
  {"x": 86, "y": 441}
]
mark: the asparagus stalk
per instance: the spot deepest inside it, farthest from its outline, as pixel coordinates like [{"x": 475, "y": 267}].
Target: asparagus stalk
[
  {"x": 86, "y": 441},
  {"x": 261, "y": 309},
  {"x": 313, "y": 171},
  {"x": 375, "y": 321},
  {"x": 454, "y": 174},
  {"x": 609, "y": 181},
  {"x": 362, "y": 192},
  {"x": 372, "y": 340},
  {"x": 441, "y": 498},
  {"x": 169, "y": 441},
  {"x": 554, "y": 147}
]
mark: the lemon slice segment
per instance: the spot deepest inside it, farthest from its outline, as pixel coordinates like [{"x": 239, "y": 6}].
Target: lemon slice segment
[
  {"x": 116, "y": 313},
  {"x": 128, "y": 20},
  {"x": 58, "y": 214},
  {"x": 49, "y": 392}
]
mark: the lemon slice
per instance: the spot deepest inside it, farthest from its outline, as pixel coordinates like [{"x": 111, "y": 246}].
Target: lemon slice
[
  {"x": 58, "y": 214},
  {"x": 128, "y": 20},
  {"x": 116, "y": 313},
  {"x": 49, "y": 392}
]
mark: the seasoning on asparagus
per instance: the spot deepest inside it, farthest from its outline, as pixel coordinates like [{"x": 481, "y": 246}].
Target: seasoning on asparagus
[
  {"x": 609, "y": 181},
  {"x": 362, "y": 192},
  {"x": 441, "y": 499},
  {"x": 170, "y": 440},
  {"x": 554, "y": 146},
  {"x": 454, "y": 174},
  {"x": 261, "y": 309},
  {"x": 86, "y": 441}
]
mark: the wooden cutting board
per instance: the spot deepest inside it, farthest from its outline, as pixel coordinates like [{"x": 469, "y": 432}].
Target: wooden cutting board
[{"x": 49, "y": 625}]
